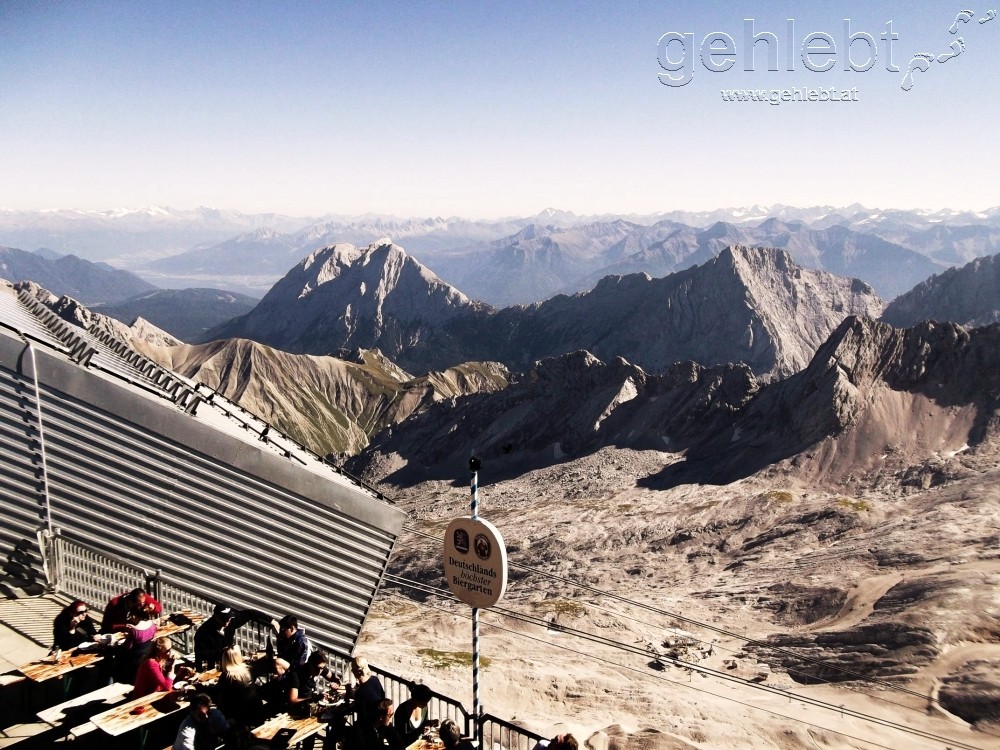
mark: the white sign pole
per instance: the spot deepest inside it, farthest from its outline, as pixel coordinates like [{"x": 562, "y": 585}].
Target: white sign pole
[
  {"x": 474, "y": 559},
  {"x": 474, "y": 465}
]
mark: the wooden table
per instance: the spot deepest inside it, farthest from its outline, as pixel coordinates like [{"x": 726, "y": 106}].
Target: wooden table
[
  {"x": 169, "y": 629},
  {"x": 303, "y": 728},
  {"x": 48, "y": 668},
  {"x": 124, "y": 718},
  {"x": 106, "y": 696},
  {"x": 423, "y": 744},
  {"x": 139, "y": 712},
  {"x": 208, "y": 678}
]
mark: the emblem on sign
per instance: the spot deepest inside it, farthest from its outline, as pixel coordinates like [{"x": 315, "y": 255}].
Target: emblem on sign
[{"x": 483, "y": 547}]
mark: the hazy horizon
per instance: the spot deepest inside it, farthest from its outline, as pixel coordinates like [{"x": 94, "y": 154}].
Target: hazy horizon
[{"x": 127, "y": 210}]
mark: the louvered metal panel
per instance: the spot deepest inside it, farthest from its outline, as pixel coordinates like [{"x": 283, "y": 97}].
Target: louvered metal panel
[
  {"x": 139, "y": 478},
  {"x": 21, "y": 509},
  {"x": 14, "y": 315}
]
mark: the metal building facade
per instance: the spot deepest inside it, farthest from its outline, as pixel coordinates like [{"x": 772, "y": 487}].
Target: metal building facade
[{"x": 126, "y": 458}]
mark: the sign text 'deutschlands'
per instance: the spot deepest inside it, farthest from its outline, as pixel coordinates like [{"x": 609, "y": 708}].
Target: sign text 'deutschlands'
[{"x": 475, "y": 561}]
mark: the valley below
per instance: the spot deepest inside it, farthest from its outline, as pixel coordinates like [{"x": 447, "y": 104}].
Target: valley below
[{"x": 775, "y": 611}]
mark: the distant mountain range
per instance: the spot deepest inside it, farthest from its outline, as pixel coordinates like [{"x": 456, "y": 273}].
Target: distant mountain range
[
  {"x": 539, "y": 262},
  {"x": 185, "y": 313},
  {"x": 553, "y": 253},
  {"x": 533, "y": 261},
  {"x": 90, "y": 283},
  {"x": 130, "y": 237},
  {"x": 741, "y": 362},
  {"x": 516, "y": 259},
  {"x": 746, "y": 305}
]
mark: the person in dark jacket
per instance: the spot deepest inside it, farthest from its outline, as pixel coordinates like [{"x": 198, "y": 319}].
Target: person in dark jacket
[
  {"x": 376, "y": 732},
  {"x": 218, "y": 632},
  {"x": 72, "y": 627},
  {"x": 368, "y": 691},
  {"x": 412, "y": 715},
  {"x": 236, "y": 692},
  {"x": 292, "y": 644}
]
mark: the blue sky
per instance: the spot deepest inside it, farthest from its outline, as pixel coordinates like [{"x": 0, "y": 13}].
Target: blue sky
[{"x": 483, "y": 109}]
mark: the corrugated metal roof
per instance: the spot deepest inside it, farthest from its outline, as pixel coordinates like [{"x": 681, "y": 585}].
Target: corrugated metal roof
[{"x": 149, "y": 467}]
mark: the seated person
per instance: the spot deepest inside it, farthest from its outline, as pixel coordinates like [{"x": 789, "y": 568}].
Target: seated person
[
  {"x": 72, "y": 627},
  {"x": 302, "y": 684},
  {"x": 451, "y": 737},
  {"x": 157, "y": 672},
  {"x": 411, "y": 716},
  {"x": 300, "y": 688},
  {"x": 236, "y": 692},
  {"x": 219, "y": 632},
  {"x": 275, "y": 690},
  {"x": 115, "y": 617},
  {"x": 368, "y": 691},
  {"x": 292, "y": 646},
  {"x": 377, "y": 732},
  {"x": 559, "y": 742},
  {"x": 203, "y": 728},
  {"x": 140, "y": 631}
]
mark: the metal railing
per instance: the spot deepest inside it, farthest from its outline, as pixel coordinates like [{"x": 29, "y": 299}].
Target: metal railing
[
  {"x": 88, "y": 575},
  {"x": 251, "y": 637},
  {"x": 495, "y": 732},
  {"x": 441, "y": 706},
  {"x": 84, "y": 573}
]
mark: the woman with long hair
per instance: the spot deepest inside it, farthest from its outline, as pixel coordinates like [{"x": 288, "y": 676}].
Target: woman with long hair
[
  {"x": 236, "y": 693},
  {"x": 72, "y": 626},
  {"x": 156, "y": 673}
]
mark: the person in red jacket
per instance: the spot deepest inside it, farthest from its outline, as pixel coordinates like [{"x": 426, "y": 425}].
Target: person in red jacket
[
  {"x": 116, "y": 613},
  {"x": 156, "y": 674}
]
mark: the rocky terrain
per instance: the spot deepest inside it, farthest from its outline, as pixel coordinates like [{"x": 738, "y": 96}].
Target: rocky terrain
[
  {"x": 332, "y": 405},
  {"x": 833, "y": 538},
  {"x": 871, "y": 392},
  {"x": 775, "y": 611},
  {"x": 141, "y": 332}
]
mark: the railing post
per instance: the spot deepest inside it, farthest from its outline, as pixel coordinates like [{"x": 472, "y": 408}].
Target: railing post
[
  {"x": 50, "y": 548},
  {"x": 153, "y": 585}
]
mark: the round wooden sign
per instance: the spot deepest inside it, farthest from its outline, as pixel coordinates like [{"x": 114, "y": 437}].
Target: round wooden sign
[{"x": 475, "y": 561}]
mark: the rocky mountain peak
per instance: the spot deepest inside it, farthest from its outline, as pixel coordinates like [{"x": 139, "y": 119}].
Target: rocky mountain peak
[
  {"x": 969, "y": 295},
  {"x": 874, "y": 399},
  {"x": 345, "y": 297}
]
